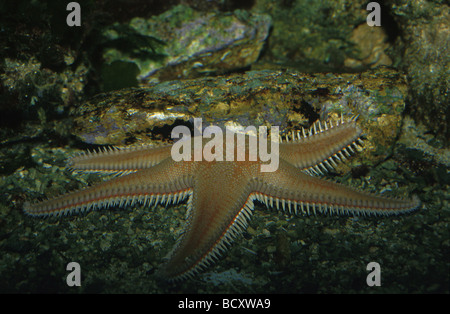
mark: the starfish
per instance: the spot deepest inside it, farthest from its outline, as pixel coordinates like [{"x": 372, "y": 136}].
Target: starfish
[{"x": 221, "y": 194}]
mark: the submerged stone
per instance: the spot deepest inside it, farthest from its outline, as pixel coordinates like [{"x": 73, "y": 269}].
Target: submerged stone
[
  {"x": 425, "y": 27},
  {"x": 288, "y": 99},
  {"x": 188, "y": 43}
]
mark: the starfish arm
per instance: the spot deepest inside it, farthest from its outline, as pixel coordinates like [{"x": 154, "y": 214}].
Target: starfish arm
[
  {"x": 322, "y": 146},
  {"x": 120, "y": 160},
  {"x": 217, "y": 213},
  {"x": 292, "y": 189},
  {"x": 167, "y": 182}
]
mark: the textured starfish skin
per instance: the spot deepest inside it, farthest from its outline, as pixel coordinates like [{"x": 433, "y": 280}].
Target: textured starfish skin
[{"x": 221, "y": 193}]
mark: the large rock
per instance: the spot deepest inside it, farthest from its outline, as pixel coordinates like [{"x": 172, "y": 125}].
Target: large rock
[
  {"x": 425, "y": 26},
  {"x": 185, "y": 43},
  {"x": 287, "y": 99}
]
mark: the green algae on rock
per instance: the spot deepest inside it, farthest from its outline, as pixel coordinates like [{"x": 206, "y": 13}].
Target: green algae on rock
[
  {"x": 195, "y": 43},
  {"x": 287, "y": 99},
  {"x": 425, "y": 26},
  {"x": 313, "y": 34},
  {"x": 372, "y": 44}
]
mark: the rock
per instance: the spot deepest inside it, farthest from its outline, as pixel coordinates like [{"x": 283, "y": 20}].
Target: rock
[
  {"x": 34, "y": 85},
  {"x": 425, "y": 26},
  {"x": 372, "y": 44},
  {"x": 415, "y": 137},
  {"x": 287, "y": 99},
  {"x": 188, "y": 43},
  {"x": 313, "y": 36}
]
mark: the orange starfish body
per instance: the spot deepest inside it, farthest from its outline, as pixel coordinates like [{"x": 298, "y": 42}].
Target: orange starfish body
[{"x": 221, "y": 193}]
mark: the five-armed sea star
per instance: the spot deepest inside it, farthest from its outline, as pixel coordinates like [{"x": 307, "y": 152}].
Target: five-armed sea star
[{"x": 221, "y": 193}]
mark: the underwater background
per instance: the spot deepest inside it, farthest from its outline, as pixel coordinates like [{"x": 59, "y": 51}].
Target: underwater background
[{"x": 134, "y": 69}]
